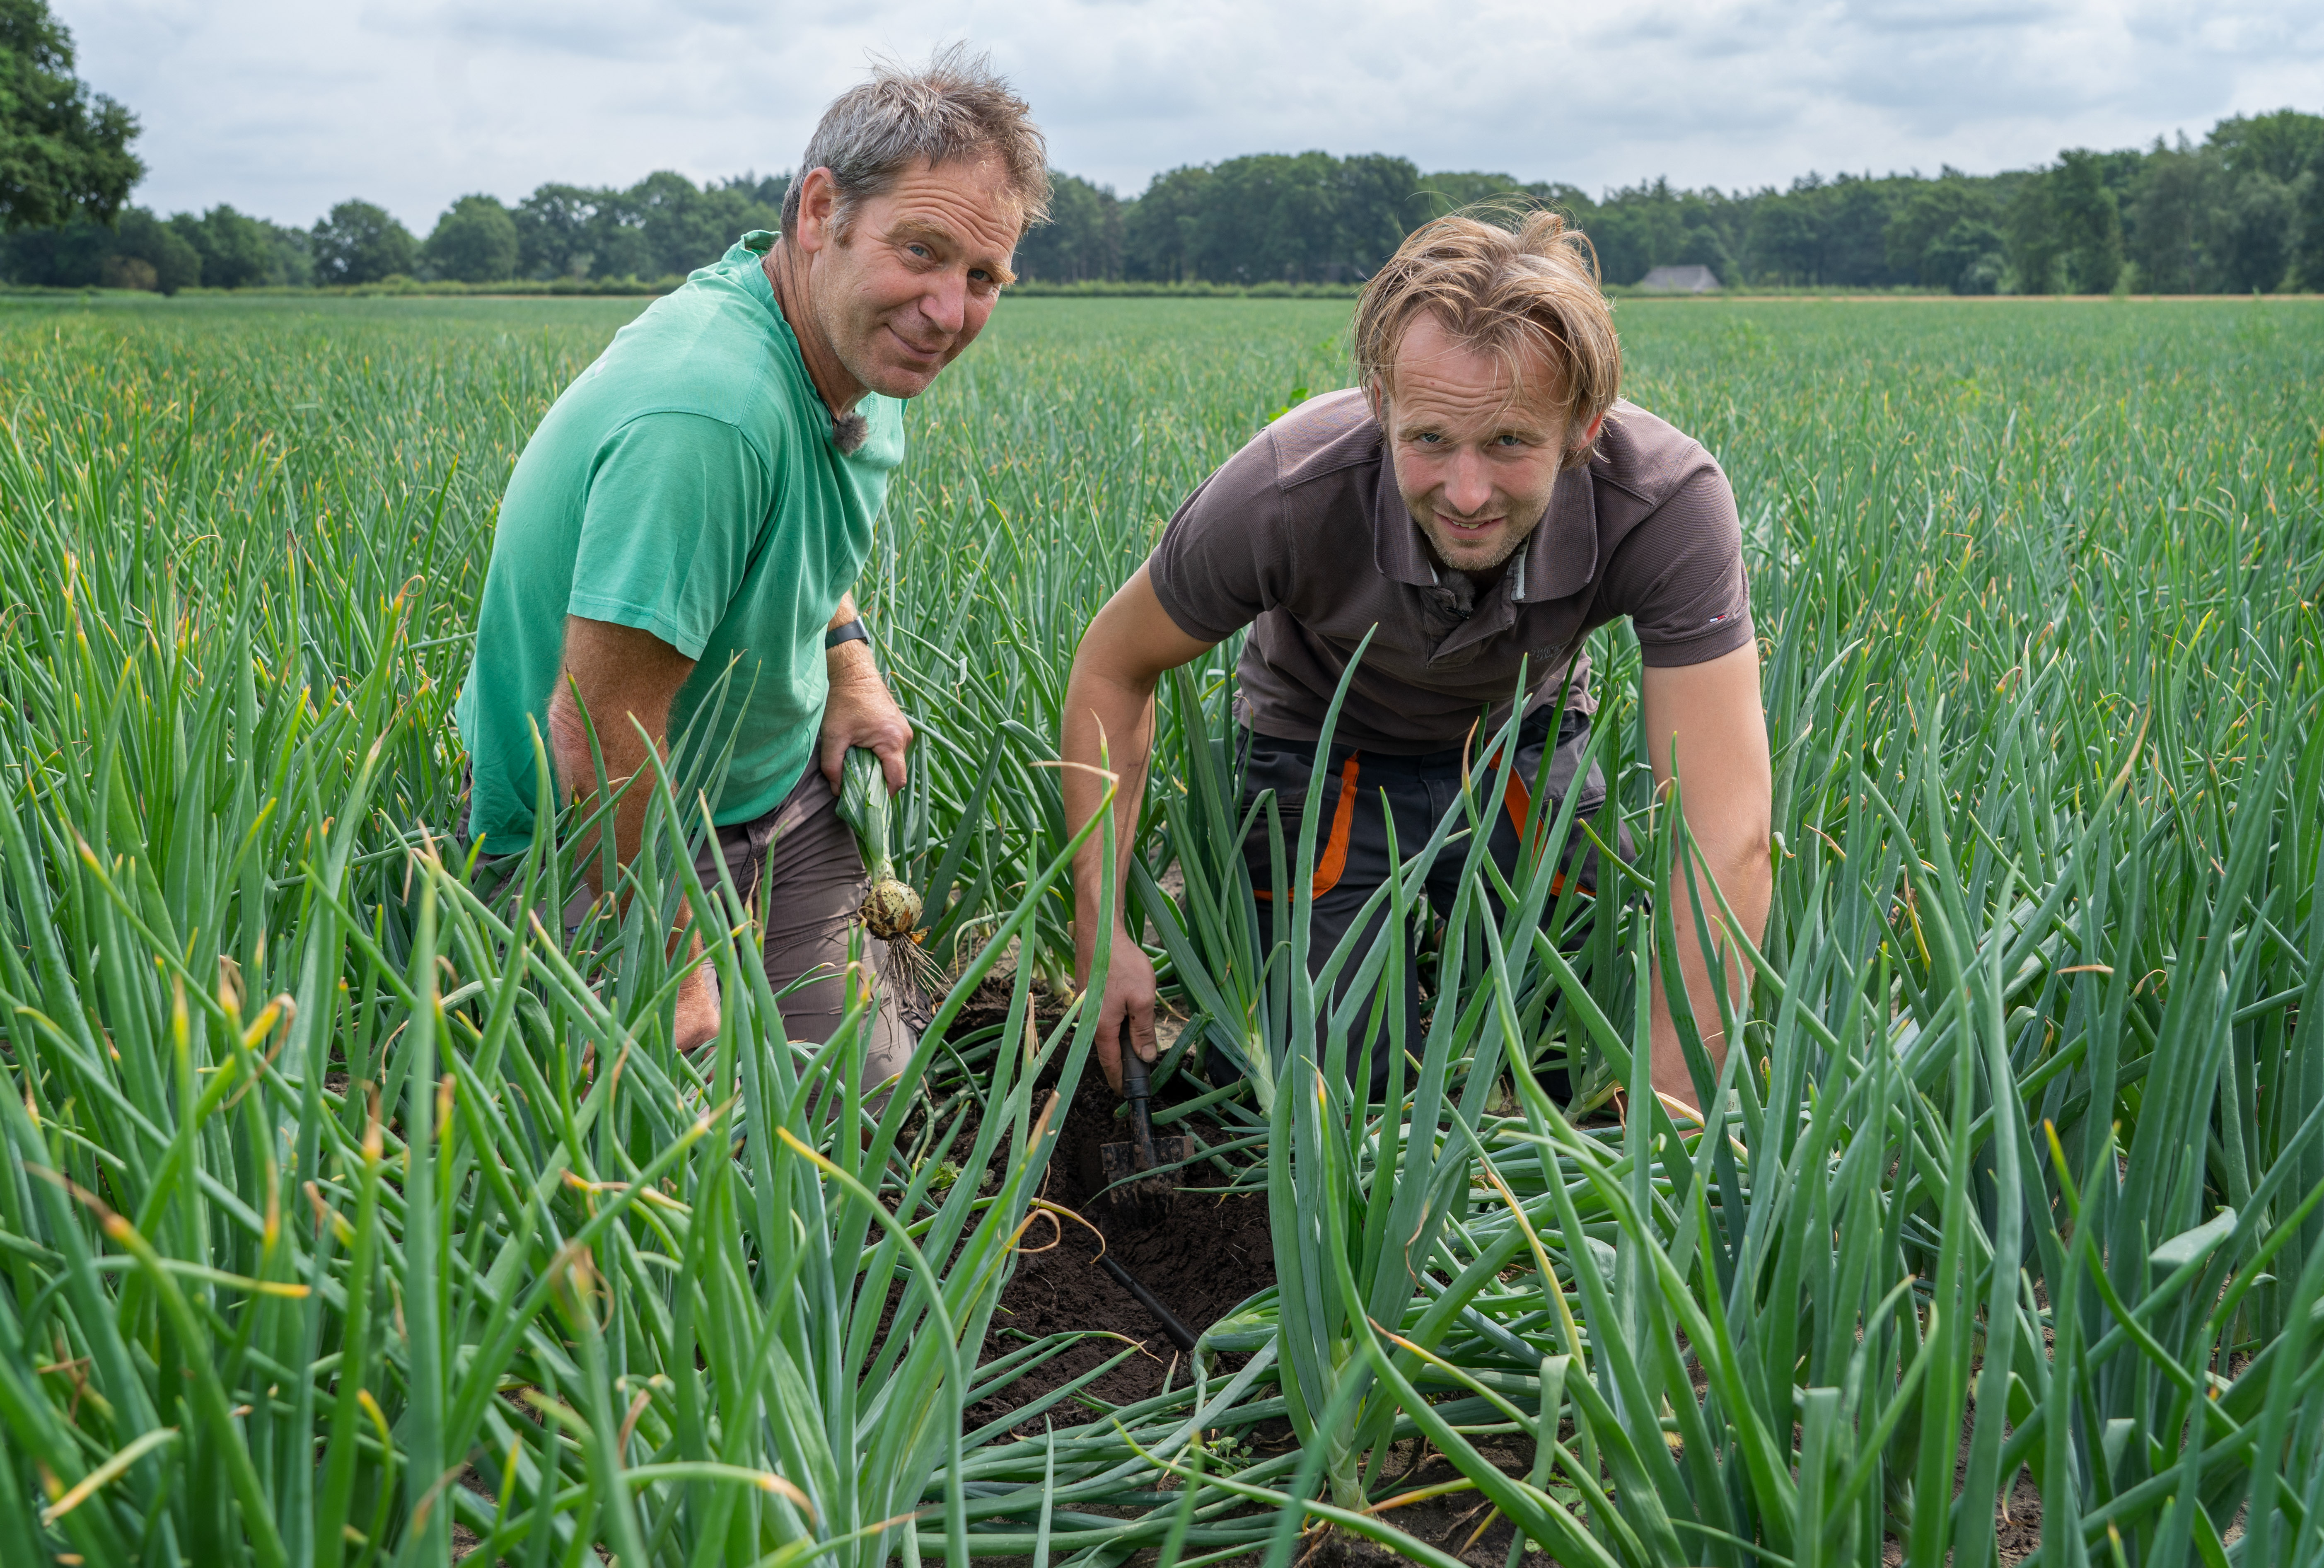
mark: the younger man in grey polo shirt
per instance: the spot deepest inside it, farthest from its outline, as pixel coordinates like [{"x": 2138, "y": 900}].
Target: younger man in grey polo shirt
[{"x": 1484, "y": 500}]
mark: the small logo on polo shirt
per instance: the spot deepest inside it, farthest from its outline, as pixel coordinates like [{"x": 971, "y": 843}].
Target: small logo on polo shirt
[{"x": 1715, "y": 620}]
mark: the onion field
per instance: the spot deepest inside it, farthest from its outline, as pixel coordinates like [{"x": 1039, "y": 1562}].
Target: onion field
[{"x": 350, "y": 1216}]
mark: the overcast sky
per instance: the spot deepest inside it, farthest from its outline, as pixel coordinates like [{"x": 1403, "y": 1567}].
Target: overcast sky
[{"x": 284, "y": 107}]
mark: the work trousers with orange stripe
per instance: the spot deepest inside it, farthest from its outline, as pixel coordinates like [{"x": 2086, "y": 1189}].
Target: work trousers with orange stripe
[{"x": 1352, "y": 854}]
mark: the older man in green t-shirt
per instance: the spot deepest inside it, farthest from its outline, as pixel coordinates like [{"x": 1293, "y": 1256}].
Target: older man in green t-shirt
[{"x": 677, "y": 544}]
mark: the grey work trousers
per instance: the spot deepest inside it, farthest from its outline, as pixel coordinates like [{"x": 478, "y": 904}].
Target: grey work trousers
[
  {"x": 1351, "y": 855},
  {"x": 799, "y": 867}
]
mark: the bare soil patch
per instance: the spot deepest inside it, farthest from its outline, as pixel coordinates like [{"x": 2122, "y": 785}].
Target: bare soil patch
[{"x": 1205, "y": 1253}]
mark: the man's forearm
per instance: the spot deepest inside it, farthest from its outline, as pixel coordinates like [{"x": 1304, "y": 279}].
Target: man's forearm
[
  {"x": 624, "y": 680},
  {"x": 1108, "y": 724},
  {"x": 625, "y": 756},
  {"x": 850, "y": 659},
  {"x": 1745, "y": 877}
]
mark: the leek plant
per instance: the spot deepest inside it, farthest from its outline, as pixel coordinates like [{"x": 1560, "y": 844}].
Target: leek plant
[
  {"x": 2017, "y": 1163},
  {"x": 357, "y": 1211}
]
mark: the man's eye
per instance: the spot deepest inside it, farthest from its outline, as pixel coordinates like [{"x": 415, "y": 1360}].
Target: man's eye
[
  {"x": 918, "y": 250},
  {"x": 1427, "y": 438},
  {"x": 1505, "y": 440}
]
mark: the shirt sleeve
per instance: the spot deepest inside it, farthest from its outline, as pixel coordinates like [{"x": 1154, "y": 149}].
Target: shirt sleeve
[
  {"x": 674, "y": 507},
  {"x": 1679, "y": 574},
  {"x": 1224, "y": 560}
]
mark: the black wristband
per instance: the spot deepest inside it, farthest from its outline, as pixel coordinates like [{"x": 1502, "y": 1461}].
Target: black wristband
[{"x": 851, "y": 632}]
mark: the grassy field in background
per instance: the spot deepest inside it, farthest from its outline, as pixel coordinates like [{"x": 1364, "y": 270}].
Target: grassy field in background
[{"x": 342, "y": 1211}]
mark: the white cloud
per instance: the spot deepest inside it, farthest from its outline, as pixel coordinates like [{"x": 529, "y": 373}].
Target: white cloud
[{"x": 283, "y": 107}]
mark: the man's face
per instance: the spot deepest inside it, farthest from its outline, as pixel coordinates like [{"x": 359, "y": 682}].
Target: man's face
[
  {"x": 913, "y": 281},
  {"x": 1474, "y": 463}
]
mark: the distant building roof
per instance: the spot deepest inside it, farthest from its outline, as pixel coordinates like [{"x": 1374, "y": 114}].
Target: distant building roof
[{"x": 1680, "y": 280}]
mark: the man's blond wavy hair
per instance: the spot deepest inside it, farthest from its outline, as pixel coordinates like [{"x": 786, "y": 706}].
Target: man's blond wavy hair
[{"x": 1524, "y": 289}]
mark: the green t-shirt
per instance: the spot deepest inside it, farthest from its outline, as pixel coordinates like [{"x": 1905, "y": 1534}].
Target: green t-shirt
[{"x": 686, "y": 484}]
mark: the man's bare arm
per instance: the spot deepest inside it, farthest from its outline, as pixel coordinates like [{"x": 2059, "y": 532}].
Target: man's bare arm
[
  {"x": 1111, "y": 695},
  {"x": 625, "y": 679},
  {"x": 1710, "y": 713}
]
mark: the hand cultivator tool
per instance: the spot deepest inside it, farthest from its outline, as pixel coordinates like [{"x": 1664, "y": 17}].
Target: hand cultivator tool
[
  {"x": 1132, "y": 1181},
  {"x": 1135, "y": 1177}
]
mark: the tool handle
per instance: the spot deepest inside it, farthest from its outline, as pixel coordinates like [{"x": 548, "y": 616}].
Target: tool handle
[
  {"x": 1160, "y": 1313},
  {"x": 1141, "y": 1117}
]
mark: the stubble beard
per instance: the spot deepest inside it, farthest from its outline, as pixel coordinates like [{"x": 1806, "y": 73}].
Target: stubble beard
[{"x": 1459, "y": 555}]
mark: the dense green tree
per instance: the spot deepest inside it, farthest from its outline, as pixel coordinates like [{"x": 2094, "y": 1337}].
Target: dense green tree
[
  {"x": 1449, "y": 190},
  {"x": 1161, "y": 231},
  {"x": 237, "y": 252},
  {"x": 1969, "y": 258},
  {"x": 2168, "y": 219},
  {"x": 678, "y": 225},
  {"x": 1306, "y": 218},
  {"x": 67, "y": 255},
  {"x": 293, "y": 265},
  {"x": 766, "y": 191},
  {"x": 2037, "y": 250},
  {"x": 1270, "y": 219},
  {"x": 2254, "y": 232},
  {"x": 1857, "y": 212},
  {"x": 1452, "y": 190},
  {"x": 474, "y": 242},
  {"x": 64, "y": 150},
  {"x": 1081, "y": 241},
  {"x": 2284, "y": 145},
  {"x": 1373, "y": 210},
  {"x": 359, "y": 243},
  {"x": 175, "y": 264},
  {"x": 2088, "y": 222},
  {"x": 1785, "y": 242},
  {"x": 553, "y": 228},
  {"x": 1926, "y": 219},
  {"x": 2308, "y": 246}
]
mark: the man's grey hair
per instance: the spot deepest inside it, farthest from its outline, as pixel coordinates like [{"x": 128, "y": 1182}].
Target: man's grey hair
[{"x": 957, "y": 107}]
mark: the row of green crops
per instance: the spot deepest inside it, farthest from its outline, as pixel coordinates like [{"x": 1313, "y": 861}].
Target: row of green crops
[{"x": 349, "y": 1207}]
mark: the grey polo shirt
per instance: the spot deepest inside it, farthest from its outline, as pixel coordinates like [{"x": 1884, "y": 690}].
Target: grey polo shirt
[{"x": 1302, "y": 537}]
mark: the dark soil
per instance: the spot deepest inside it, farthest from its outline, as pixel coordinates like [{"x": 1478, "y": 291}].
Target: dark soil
[{"x": 1202, "y": 1255}]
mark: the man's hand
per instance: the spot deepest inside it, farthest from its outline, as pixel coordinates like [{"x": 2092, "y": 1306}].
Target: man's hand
[
  {"x": 1126, "y": 1019},
  {"x": 861, "y": 711}
]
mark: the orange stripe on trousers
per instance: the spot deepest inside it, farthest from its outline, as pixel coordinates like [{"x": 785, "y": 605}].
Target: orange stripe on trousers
[
  {"x": 1518, "y": 801},
  {"x": 1334, "y": 863}
]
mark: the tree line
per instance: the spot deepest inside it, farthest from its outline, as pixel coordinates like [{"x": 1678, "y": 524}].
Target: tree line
[
  {"x": 2241, "y": 210},
  {"x": 665, "y": 225}
]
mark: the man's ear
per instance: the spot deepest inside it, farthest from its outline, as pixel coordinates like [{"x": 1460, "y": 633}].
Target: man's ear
[
  {"x": 1578, "y": 452},
  {"x": 819, "y": 199},
  {"x": 1375, "y": 400}
]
